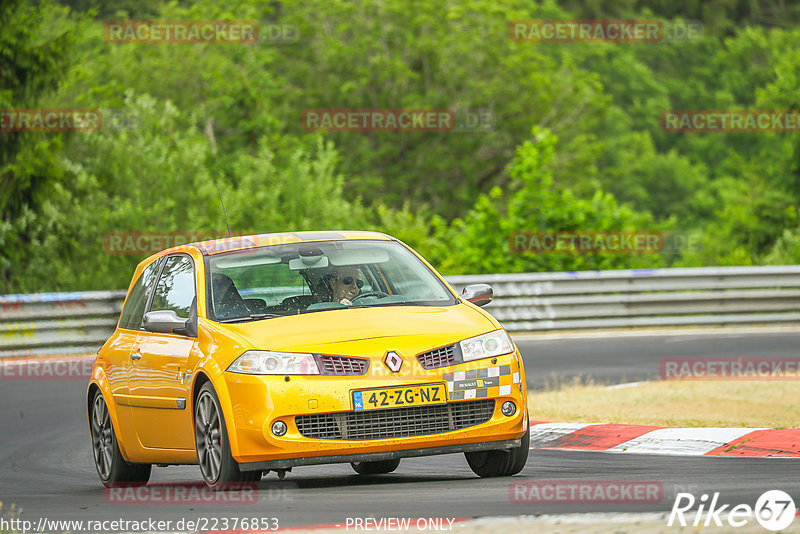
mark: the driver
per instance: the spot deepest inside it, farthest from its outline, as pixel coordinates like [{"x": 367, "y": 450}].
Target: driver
[{"x": 345, "y": 284}]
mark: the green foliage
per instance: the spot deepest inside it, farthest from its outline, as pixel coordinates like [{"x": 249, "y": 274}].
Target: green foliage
[
  {"x": 479, "y": 242},
  {"x": 34, "y": 45},
  {"x": 786, "y": 250},
  {"x": 202, "y": 116},
  {"x": 144, "y": 179},
  {"x": 720, "y": 16},
  {"x": 442, "y": 54}
]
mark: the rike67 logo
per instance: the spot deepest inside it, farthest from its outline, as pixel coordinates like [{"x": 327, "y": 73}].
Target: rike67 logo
[{"x": 774, "y": 510}]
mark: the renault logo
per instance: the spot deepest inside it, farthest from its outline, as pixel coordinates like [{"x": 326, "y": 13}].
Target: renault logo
[{"x": 393, "y": 361}]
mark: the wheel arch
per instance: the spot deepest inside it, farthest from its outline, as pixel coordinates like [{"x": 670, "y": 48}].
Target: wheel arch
[
  {"x": 99, "y": 383},
  {"x": 217, "y": 381},
  {"x": 199, "y": 382}
]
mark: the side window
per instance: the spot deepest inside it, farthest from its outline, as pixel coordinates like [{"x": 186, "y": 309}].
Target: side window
[
  {"x": 131, "y": 316},
  {"x": 175, "y": 290}
]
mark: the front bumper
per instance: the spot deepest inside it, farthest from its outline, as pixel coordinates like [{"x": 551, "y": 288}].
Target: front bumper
[
  {"x": 256, "y": 402},
  {"x": 378, "y": 456}
]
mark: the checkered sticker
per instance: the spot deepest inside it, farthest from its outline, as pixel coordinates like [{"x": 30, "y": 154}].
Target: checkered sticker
[{"x": 480, "y": 383}]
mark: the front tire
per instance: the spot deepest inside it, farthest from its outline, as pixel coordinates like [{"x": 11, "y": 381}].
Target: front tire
[
  {"x": 219, "y": 469},
  {"x": 501, "y": 463},
  {"x": 112, "y": 468},
  {"x": 375, "y": 468}
]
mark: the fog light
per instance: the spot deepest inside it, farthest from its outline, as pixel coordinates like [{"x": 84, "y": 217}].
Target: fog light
[
  {"x": 279, "y": 428},
  {"x": 508, "y": 409}
]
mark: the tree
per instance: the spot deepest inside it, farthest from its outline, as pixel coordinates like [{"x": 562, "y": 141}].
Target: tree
[
  {"x": 479, "y": 242},
  {"x": 35, "y": 41}
]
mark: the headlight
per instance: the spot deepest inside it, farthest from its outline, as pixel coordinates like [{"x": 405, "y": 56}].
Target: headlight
[
  {"x": 262, "y": 362},
  {"x": 494, "y": 343}
]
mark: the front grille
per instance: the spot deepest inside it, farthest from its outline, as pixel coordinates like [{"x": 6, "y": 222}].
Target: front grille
[
  {"x": 341, "y": 365},
  {"x": 395, "y": 422},
  {"x": 441, "y": 357}
]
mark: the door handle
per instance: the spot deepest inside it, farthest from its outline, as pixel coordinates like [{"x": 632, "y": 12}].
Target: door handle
[{"x": 136, "y": 356}]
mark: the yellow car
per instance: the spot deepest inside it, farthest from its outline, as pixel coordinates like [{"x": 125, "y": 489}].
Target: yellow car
[{"x": 254, "y": 354}]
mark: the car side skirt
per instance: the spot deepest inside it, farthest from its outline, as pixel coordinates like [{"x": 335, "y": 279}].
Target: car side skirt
[{"x": 378, "y": 456}]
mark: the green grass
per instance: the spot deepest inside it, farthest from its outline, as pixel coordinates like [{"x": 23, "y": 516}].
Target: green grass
[{"x": 765, "y": 403}]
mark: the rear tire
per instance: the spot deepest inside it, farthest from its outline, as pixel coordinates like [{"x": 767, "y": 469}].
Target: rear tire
[
  {"x": 375, "y": 468},
  {"x": 501, "y": 463},
  {"x": 219, "y": 469},
  {"x": 112, "y": 468}
]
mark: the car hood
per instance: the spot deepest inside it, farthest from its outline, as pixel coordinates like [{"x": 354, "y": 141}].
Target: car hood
[{"x": 365, "y": 331}]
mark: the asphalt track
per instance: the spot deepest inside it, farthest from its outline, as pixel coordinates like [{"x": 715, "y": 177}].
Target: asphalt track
[
  {"x": 46, "y": 467},
  {"x": 621, "y": 357}
]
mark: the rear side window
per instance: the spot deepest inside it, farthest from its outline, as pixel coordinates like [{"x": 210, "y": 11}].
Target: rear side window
[
  {"x": 175, "y": 290},
  {"x": 133, "y": 311}
]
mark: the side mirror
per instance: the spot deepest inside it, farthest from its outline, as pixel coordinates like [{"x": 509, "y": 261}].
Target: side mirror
[
  {"x": 164, "y": 322},
  {"x": 478, "y": 294}
]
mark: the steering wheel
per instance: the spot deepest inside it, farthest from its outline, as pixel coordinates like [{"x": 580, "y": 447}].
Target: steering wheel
[{"x": 375, "y": 293}]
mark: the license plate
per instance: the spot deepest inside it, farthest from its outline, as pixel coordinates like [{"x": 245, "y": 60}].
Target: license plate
[{"x": 378, "y": 398}]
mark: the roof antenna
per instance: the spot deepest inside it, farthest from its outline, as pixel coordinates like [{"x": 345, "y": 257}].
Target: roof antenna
[{"x": 223, "y": 210}]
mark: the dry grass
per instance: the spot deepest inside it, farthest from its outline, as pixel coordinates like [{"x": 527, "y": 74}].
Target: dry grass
[
  {"x": 11, "y": 513},
  {"x": 770, "y": 404}
]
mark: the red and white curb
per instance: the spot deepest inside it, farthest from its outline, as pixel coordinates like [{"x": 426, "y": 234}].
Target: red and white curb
[{"x": 641, "y": 439}]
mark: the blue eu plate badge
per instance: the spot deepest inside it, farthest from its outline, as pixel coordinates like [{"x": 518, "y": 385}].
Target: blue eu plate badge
[{"x": 358, "y": 400}]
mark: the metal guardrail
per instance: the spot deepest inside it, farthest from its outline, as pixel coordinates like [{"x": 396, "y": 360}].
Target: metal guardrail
[
  {"x": 63, "y": 323},
  {"x": 57, "y": 323},
  {"x": 642, "y": 297}
]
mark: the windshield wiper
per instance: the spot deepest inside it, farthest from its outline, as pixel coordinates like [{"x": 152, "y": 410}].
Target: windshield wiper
[
  {"x": 252, "y": 317},
  {"x": 380, "y": 304}
]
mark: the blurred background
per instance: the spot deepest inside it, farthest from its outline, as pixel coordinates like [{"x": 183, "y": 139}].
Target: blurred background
[{"x": 575, "y": 141}]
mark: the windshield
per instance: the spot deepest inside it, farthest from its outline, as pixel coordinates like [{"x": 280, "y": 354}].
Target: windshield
[{"x": 279, "y": 280}]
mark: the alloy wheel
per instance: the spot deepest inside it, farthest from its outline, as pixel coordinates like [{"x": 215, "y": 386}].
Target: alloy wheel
[
  {"x": 102, "y": 437},
  {"x": 208, "y": 437}
]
